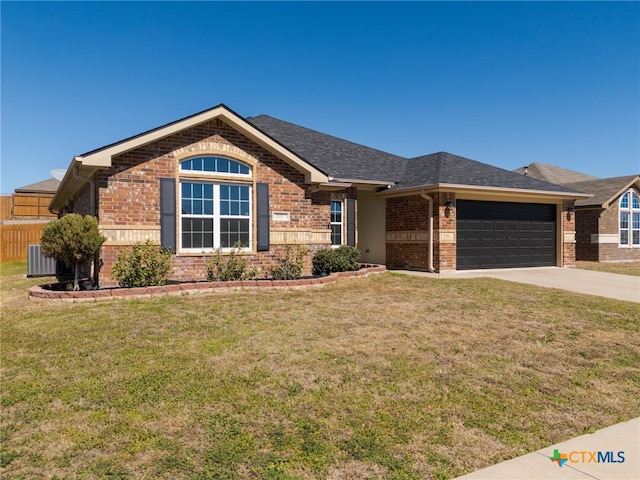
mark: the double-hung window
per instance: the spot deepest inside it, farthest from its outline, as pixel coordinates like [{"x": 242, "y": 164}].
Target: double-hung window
[
  {"x": 336, "y": 223},
  {"x": 629, "y": 207},
  {"x": 214, "y": 213}
]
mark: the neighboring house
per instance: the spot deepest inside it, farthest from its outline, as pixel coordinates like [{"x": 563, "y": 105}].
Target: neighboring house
[
  {"x": 553, "y": 174},
  {"x": 215, "y": 178},
  {"x": 608, "y": 222},
  {"x": 31, "y": 202},
  {"x": 23, "y": 217}
]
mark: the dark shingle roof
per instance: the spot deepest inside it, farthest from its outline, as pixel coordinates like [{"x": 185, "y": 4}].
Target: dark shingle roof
[
  {"x": 342, "y": 159},
  {"x": 553, "y": 174},
  {"x": 334, "y": 156},
  {"x": 443, "y": 167},
  {"x": 603, "y": 190}
]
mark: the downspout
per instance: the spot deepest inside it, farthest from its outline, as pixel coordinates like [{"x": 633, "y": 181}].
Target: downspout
[
  {"x": 430, "y": 200},
  {"x": 92, "y": 212}
]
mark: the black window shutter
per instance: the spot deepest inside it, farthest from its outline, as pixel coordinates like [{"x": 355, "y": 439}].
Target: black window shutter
[
  {"x": 262, "y": 197},
  {"x": 351, "y": 222},
  {"x": 168, "y": 213}
]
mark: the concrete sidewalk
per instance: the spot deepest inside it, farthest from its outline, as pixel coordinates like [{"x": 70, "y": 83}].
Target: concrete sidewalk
[
  {"x": 611, "y": 285},
  {"x": 612, "y": 453}
]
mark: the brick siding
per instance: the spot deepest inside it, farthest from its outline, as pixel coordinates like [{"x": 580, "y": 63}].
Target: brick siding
[
  {"x": 599, "y": 221},
  {"x": 610, "y": 223},
  {"x": 444, "y": 225},
  {"x": 569, "y": 237},
  {"x": 406, "y": 215},
  {"x": 129, "y": 194},
  {"x": 586, "y": 225}
]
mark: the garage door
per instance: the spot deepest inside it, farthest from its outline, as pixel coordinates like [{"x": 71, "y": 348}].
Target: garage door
[{"x": 505, "y": 235}]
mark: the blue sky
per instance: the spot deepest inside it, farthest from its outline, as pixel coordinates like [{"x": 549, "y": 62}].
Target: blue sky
[{"x": 505, "y": 83}]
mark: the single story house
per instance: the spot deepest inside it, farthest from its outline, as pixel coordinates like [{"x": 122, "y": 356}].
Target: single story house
[
  {"x": 607, "y": 222},
  {"x": 213, "y": 179}
]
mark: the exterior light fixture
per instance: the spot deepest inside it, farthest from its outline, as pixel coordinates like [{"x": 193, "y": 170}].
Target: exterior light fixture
[
  {"x": 447, "y": 210},
  {"x": 570, "y": 212}
]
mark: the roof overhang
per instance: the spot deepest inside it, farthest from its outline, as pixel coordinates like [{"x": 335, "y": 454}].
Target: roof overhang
[
  {"x": 633, "y": 181},
  {"x": 87, "y": 164},
  {"x": 75, "y": 177},
  {"x": 478, "y": 192}
]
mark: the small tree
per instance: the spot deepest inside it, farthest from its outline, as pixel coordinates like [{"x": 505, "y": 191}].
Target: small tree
[{"x": 72, "y": 239}]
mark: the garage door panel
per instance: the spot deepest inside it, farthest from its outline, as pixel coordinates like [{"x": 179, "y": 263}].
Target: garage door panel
[
  {"x": 472, "y": 225},
  {"x": 503, "y": 234},
  {"x": 474, "y": 243}
]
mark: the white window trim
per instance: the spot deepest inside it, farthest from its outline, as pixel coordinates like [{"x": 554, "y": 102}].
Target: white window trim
[
  {"x": 341, "y": 223},
  {"x": 630, "y": 211},
  {"x": 204, "y": 173},
  {"x": 216, "y": 217}
]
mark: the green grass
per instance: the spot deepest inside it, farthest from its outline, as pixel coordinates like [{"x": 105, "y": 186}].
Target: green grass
[
  {"x": 387, "y": 376},
  {"x": 625, "y": 268}
]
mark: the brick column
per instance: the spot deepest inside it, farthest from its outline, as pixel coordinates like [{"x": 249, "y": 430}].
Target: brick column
[
  {"x": 568, "y": 234},
  {"x": 444, "y": 231}
]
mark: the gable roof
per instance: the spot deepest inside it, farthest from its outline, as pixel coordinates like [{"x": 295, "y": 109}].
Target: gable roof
[
  {"x": 84, "y": 166},
  {"x": 45, "y": 186},
  {"x": 341, "y": 159},
  {"x": 604, "y": 190},
  {"x": 327, "y": 161},
  {"x": 553, "y": 174}
]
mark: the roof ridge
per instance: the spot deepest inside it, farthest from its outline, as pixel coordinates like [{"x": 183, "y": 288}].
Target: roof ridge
[{"x": 249, "y": 119}]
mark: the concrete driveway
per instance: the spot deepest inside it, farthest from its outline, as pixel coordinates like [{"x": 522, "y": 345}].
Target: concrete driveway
[{"x": 612, "y": 285}]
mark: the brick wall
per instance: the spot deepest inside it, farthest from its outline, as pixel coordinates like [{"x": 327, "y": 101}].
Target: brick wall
[
  {"x": 444, "y": 224},
  {"x": 408, "y": 227},
  {"x": 407, "y": 221},
  {"x": 129, "y": 195},
  {"x": 569, "y": 234},
  {"x": 82, "y": 201},
  {"x": 586, "y": 225},
  {"x": 610, "y": 223}
]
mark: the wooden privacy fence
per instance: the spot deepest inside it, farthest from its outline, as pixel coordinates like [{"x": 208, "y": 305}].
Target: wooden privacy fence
[
  {"x": 5, "y": 207},
  {"x": 15, "y": 239}
]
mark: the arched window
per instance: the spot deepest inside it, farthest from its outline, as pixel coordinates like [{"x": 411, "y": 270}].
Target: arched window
[
  {"x": 214, "y": 213},
  {"x": 210, "y": 164},
  {"x": 629, "y": 208}
]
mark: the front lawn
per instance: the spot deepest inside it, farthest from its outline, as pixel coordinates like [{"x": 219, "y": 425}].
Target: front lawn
[
  {"x": 388, "y": 376},
  {"x": 625, "y": 268}
]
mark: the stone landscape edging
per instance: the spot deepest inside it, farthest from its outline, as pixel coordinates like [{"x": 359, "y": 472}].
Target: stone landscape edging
[{"x": 40, "y": 293}]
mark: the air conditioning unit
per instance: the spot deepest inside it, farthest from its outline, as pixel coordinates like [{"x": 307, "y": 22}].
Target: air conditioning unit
[{"x": 38, "y": 265}]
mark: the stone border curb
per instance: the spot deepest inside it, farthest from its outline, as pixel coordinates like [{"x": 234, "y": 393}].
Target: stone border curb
[{"x": 39, "y": 293}]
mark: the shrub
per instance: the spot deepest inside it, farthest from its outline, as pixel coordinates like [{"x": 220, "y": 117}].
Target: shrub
[
  {"x": 290, "y": 263},
  {"x": 72, "y": 239},
  {"x": 232, "y": 268},
  {"x": 145, "y": 265},
  {"x": 342, "y": 259}
]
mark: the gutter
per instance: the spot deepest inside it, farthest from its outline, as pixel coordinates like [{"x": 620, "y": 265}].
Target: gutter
[{"x": 431, "y": 239}]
